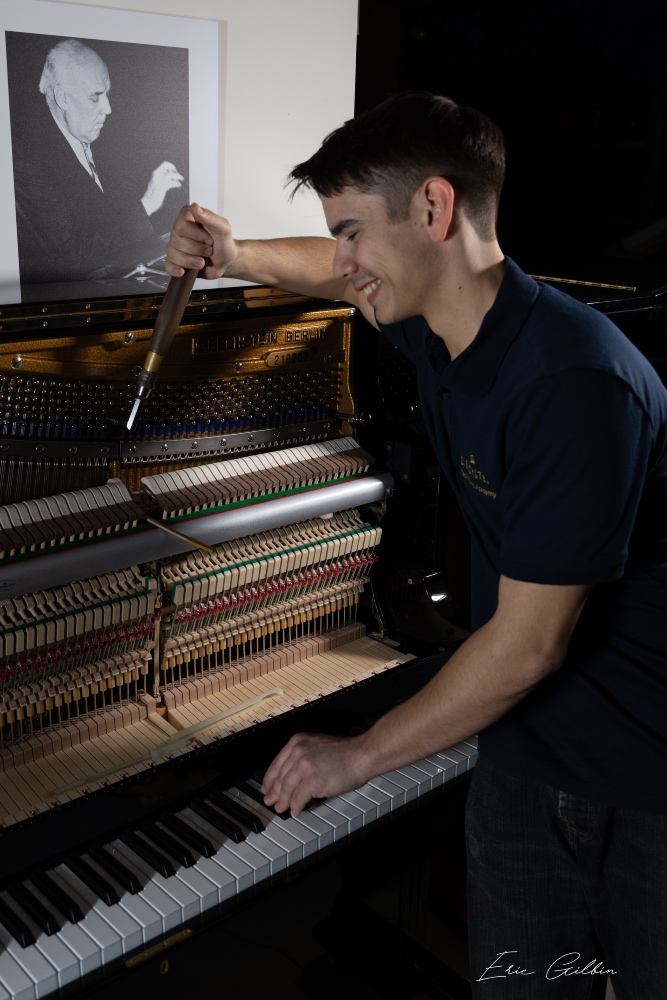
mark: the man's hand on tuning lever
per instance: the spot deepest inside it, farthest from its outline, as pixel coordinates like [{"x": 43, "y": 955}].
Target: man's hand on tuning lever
[
  {"x": 202, "y": 240},
  {"x": 313, "y": 766}
]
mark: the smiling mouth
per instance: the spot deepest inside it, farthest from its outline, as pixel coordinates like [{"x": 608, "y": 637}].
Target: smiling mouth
[{"x": 371, "y": 287}]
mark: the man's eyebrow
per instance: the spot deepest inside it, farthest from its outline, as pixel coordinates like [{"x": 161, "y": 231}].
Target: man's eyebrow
[{"x": 344, "y": 224}]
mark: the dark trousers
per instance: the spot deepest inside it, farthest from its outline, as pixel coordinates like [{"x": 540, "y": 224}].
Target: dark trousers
[{"x": 560, "y": 889}]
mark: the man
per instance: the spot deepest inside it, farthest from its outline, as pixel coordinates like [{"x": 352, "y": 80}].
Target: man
[
  {"x": 72, "y": 218},
  {"x": 552, "y": 431}
]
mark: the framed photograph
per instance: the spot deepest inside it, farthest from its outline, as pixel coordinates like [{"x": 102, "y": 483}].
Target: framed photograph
[
  {"x": 214, "y": 107},
  {"x": 99, "y": 124}
]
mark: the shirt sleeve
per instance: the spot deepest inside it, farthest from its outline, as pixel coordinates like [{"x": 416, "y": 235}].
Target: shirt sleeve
[{"x": 577, "y": 451}]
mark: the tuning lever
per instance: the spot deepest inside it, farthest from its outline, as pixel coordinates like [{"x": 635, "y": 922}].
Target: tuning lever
[{"x": 168, "y": 318}]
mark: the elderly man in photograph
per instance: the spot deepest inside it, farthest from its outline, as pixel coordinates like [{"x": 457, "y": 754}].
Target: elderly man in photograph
[{"x": 74, "y": 221}]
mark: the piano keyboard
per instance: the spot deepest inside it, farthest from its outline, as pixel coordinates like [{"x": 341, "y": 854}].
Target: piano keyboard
[{"x": 118, "y": 898}]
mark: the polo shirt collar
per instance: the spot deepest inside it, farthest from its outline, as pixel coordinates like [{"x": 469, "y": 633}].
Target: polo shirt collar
[{"x": 474, "y": 370}]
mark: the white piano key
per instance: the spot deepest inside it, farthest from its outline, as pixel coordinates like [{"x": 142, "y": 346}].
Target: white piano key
[
  {"x": 469, "y": 749},
  {"x": 64, "y": 961},
  {"x": 224, "y": 882},
  {"x": 395, "y": 792},
  {"x": 243, "y": 873},
  {"x": 323, "y": 830},
  {"x": 409, "y": 784},
  {"x": 366, "y": 807},
  {"x": 146, "y": 916},
  {"x": 457, "y": 758},
  {"x": 291, "y": 846},
  {"x": 448, "y": 767},
  {"x": 239, "y": 869},
  {"x": 260, "y": 864},
  {"x": 433, "y": 772},
  {"x": 183, "y": 896},
  {"x": 126, "y": 927},
  {"x": 336, "y": 820},
  {"x": 277, "y": 856},
  {"x": 204, "y": 887},
  {"x": 353, "y": 816},
  {"x": 78, "y": 942},
  {"x": 41, "y": 973},
  {"x": 102, "y": 933},
  {"x": 14, "y": 981},
  {"x": 161, "y": 901},
  {"x": 422, "y": 780},
  {"x": 381, "y": 799}
]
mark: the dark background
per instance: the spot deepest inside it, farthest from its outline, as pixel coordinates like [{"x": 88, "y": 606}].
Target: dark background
[
  {"x": 149, "y": 94},
  {"x": 580, "y": 91}
]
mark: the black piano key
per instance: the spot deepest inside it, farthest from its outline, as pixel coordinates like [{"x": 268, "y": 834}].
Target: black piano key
[
  {"x": 13, "y": 923},
  {"x": 218, "y": 821},
  {"x": 95, "y": 882},
  {"x": 256, "y": 794},
  {"x": 116, "y": 869},
  {"x": 150, "y": 855},
  {"x": 43, "y": 917},
  {"x": 236, "y": 810},
  {"x": 57, "y": 896},
  {"x": 169, "y": 844},
  {"x": 191, "y": 837}
]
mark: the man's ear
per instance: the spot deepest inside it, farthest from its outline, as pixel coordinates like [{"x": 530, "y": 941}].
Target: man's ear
[
  {"x": 60, "y": 97},
  {"x": 437, "y": 205}
]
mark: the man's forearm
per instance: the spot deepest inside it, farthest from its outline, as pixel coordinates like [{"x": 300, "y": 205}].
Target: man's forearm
[
  {"x": 482, "y": 681},
  {"x": 300, "y": 264}
]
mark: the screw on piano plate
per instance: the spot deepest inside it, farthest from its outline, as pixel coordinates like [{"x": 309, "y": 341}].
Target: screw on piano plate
[
  {"x": 132, "y": 449},
  {"x": 194, "y": 444},
  {"x": 238, "y": 366},
  {"x": 4, "y": 446},
  {"x": 73, "y": 450},
  {"x": 44, "y": 309},
  {"x": 87, "y": 305},
  {"x": 39, "y": 447},
  {"x": 17, "y": 361},
  {"x": 165, "y": 447},
  {"x": 251, "y": 437},
  {"x": 326, "y": 359},
  {"x": 223, "y": 442},
  {"x": 128, "y": 338},
  {"x": 104, "y": 451}
]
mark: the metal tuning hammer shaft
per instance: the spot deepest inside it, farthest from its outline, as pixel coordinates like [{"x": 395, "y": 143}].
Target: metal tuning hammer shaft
[{"x": 167, "y": 322}]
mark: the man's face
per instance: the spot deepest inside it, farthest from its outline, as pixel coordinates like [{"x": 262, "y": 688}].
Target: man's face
[
  {"x": 386, "y": 260},
  {"x": 83, "y": 98}
]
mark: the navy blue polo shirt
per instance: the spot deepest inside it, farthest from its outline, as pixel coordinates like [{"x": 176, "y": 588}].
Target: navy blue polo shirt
[{"x": 552, "y": 430}]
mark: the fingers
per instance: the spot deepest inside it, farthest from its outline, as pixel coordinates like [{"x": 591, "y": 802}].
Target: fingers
[
  {"x": 189, "y": 245},
  {"x": 309, "y": 766}
]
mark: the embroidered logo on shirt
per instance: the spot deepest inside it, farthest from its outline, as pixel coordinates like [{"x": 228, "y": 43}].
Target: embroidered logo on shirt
[{"x": 475, "y": 477}]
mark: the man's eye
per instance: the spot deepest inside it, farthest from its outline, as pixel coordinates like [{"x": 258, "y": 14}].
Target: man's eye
[{"x": 351, "y": 237}]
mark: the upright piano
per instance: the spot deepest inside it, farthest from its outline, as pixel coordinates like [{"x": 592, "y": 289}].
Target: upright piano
[{"x": 176, "y": 601}]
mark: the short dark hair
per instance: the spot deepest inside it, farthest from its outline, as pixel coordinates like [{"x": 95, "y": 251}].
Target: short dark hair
[{"x": 393, "y": 148}]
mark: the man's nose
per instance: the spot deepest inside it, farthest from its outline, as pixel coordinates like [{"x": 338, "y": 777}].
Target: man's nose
[
  {"x": 344, "y": 264},
  {"x": 105, "y": 107}
]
